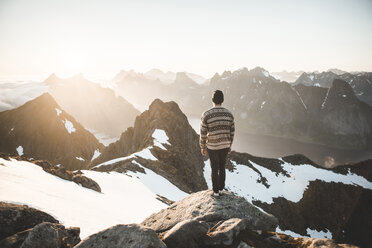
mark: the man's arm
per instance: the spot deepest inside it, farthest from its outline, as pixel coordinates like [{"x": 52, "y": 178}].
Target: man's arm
[
  {"x": 203, "y": 133},
  {"x": 232, "y": 131}
]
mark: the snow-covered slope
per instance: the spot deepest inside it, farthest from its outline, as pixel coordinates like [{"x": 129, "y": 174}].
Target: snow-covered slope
[
  {"x": 125, "y": 198},
  {"x": 246, "y": 182},
  {"x": 299, "y": 193}
]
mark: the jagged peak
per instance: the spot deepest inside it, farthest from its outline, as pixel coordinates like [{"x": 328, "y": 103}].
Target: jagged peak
[
  {"x": 342, "y": 87},
  {"x": 45, "y": 98},
  {"x": 159, "y": 105}
]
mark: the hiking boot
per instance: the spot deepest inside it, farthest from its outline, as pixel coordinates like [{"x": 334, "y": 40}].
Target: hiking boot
[
  {"x": 215, "y": 194},
  {"x": 222, "y": 191}
]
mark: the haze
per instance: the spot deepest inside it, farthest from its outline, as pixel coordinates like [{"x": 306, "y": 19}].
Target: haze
[{"x": 102, "y": 37}]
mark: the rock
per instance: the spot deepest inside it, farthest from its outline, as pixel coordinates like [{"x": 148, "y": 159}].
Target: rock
[
  {"x": 186, "y": 234},
  {"x": 202, "y": 206},
  {"x": 225, "y": 232},
  {"x": 128, "y": 236},
  {"x": 243, "y": 245},
  {"x": 180, "y": 162},
  {"x": 51, "y": 235},
  {"x": 86, "y": 182},
  {"x": 76, "y": 177},
  {"x": 16, "y": 218},
  {"x": 44, "y": 134},
  {"x": 321, "y": 243},
  {"x": 15, "y": 240}
]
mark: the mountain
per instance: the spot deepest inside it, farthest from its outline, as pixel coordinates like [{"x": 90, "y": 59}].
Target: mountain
[
  {"x": 96, "y": 108},
  {"x": 264, "y": 106},
  {"x": 360, "y": 82},
  {"x": 307, "y": 200},
  {"x": 288, "y": 76},
  {"x": 162, "y": 141},
  {"x": 338, "y": 116},
  {"x": 337, "y": 71},
  {"x": 165, "y": 77},
  {"x": 41, "y": 129}
]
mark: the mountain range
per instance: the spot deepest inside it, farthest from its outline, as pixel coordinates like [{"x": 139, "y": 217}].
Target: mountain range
[{"x": 158, "y": 160}]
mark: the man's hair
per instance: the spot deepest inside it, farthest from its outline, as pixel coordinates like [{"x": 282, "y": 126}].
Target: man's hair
[{"x": 217, "y": 97}]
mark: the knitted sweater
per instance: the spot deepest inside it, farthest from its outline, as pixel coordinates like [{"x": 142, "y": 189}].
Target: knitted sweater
[{"x": 217, "y": 128}]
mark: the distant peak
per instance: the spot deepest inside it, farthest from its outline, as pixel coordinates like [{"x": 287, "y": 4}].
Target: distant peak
[{"x": 51, "y": 78}]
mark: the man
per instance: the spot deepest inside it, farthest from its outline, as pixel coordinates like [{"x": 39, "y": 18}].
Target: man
[{"x": 216, "y": 136}]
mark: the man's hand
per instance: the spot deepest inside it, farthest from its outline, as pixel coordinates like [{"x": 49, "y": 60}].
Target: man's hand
[{"x": 204, "y": 152}]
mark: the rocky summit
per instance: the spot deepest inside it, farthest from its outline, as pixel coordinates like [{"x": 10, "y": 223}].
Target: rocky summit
[
  {"x": 178, "y": 158},
  {"x": 22, "y": 226},
  {"x": 40, "y": 129}
]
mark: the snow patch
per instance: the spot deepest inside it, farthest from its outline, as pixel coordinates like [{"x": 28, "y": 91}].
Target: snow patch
[
  {"x": 80, "y": 158},
  {"x": 69, "y": 126},
  {"x": 290, "y": 233},
  {"x": 317, "y": 85},
  {"x": 158, "y": 184},
  {"x": 96, "y": 154},
  {"x": 311, "y": 77},
  {"x": 58, "y": 111},
  {"x": 20, "y": 150},
  {"x": 123, "y": 200},
  {"x": 241, "y": 97},
  {"x": 319, "y": 234},
  {"x": 265, "y": 73},
  {"x": 298, "y": 94},
  {"x": 244, "y": 181},
  {"x": 325, "y": 99},
  {"x": 145, "y": 153},
  {"x": 262, "y": 104},
  {"x": 160, "y": 137},
  {"x": 343, "y": 95}
]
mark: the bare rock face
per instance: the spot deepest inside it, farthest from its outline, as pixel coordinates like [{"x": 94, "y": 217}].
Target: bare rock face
[
  {"x": 226, "y": 231},
  {"x": 51, "y": 235},
  {"x": 16, "y": 218},
  {"x": 76, "y": 177},
  {"x": 180, "y": 162},
  {"x": 21, "y": 226},
  {"x": 186, "y": 234},
  {"x": 201, "y": 206},
  {"x": 129, "y": 236}
]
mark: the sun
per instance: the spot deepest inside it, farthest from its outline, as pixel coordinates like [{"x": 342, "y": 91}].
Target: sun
[{"x": 72, "y": 63}]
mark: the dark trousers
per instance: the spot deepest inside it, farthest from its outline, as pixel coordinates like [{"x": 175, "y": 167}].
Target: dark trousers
[{"x": 218, "y": 160}]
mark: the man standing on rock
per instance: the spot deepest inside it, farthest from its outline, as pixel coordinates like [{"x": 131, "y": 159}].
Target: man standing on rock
[{"x": 216, "y": 136}]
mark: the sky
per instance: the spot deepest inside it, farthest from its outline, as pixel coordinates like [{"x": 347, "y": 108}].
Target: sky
[{"x": 102, "y": 37}]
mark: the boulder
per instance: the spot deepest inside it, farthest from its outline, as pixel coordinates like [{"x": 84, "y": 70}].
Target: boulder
[
  {"x": 51, "y": 235},
  {"x": 226, "y": 231},
  {"x": 202, "y": 206},
  {"x": 186, "y": 234},
  {"x": 15, "y": 240},
  {"x": 72, "y": 176},
  {"x": 129, "y": 236},
  {"x": 16, "y": 218},
  {"x": 86, "y": 182}
]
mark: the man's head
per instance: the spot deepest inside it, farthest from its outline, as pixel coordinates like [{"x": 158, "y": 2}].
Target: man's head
[{"x": 217, "y": 97}]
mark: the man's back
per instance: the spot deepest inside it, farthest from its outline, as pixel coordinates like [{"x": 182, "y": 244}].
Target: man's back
[{"x": 217, "y": 128}]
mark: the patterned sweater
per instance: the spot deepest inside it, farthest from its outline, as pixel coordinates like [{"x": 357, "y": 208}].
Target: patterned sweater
[{"x": 217, "y": 128}]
